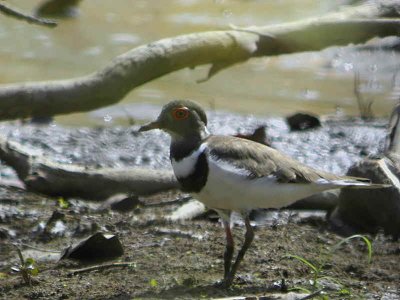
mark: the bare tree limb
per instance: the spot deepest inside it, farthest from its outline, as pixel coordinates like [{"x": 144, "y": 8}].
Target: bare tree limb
[
  {"x": 221, "y": 49},
  {"x": 44, "y": 176},
  {"x": 15, "y": 13}
]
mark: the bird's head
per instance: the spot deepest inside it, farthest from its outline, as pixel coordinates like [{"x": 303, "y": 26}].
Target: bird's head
[{"x": 180, "y": 118}]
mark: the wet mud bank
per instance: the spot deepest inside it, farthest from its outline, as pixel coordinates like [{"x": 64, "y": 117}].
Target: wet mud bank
[{"x": 163, "y": 259}]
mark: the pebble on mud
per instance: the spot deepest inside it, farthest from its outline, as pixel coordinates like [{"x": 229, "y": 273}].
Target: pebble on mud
[
  {"x": 303, "y": 121},
  {"x": 121, "y": 203}
]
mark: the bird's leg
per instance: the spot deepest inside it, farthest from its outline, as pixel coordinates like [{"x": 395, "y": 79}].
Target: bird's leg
[
  {"x": 228, "y": 254},
  {"x": 247, "y": 242}
]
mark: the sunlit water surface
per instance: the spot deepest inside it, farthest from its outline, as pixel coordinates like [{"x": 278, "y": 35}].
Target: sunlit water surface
[{"x": 275, "y": 86}]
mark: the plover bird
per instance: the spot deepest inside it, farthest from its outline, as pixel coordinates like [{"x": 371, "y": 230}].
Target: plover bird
[{"x": 228, "y": 173}]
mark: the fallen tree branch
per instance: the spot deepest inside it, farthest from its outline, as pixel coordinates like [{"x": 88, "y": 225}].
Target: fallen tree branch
[
  {"x": 15, "y": 13},
  {"x": 44, "y": 176},
  {"x": 221, "y": 49}
]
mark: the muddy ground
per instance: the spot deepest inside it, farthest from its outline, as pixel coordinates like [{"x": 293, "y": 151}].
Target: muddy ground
[{"x": 184, "y": 259}]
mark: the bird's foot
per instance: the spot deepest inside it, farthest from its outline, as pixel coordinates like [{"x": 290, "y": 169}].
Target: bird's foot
[{"x": 225, "y": 283}]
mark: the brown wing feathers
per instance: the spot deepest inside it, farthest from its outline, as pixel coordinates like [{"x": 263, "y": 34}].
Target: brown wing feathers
[{"x": 260, "y": 160}]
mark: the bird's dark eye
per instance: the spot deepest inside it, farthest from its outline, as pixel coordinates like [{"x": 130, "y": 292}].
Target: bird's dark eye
[{"x": 180, "y": 113}]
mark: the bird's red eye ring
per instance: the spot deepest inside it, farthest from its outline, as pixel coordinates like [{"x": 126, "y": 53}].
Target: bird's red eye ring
[{"x": 180, "y": 113}]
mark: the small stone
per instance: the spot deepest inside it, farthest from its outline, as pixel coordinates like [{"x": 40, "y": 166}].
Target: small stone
[
  {"x": 97, "y": 247},
  {"x": 121, "y": 203},
  {"x": 303, "y": 121}
]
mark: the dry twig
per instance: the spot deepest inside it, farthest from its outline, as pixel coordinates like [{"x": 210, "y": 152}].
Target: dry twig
[
  {"x": 15, "y": 13},
  {"x": 102, "y": 267},
  {"x": 364, "y": 105}
]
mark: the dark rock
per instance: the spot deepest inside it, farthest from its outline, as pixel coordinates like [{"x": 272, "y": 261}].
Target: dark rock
[
  {"x": 58, "y": 8},
  {"x": 368, "y": 210},
  {"x": 3, "y": 233},
  {"x": 121, "y": 203},
  {"x": 126, "y": 204},
  {"x": 303, "y": 121},
  {"x": 42, "y": 120},
  {"x": 95, "y": 248},
  {"x": 6, "y": 233}
]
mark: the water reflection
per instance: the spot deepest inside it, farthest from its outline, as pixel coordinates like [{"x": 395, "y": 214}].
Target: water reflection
[
  {"x": 124, "y": 39},
  {"x": 319, "y": 82}
]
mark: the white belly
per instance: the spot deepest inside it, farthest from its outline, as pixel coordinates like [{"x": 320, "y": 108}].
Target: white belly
[
  {"x": 226, "y": 189},
  {"x": 230, "y": 188}
]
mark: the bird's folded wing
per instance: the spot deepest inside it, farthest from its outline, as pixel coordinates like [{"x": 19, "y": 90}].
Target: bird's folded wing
[{"x": 258, "y": 160}]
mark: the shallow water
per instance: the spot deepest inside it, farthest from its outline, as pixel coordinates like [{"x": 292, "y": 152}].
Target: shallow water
[
  {"x": 334, "y": 147},
  {"x": 318, "y": 82}
]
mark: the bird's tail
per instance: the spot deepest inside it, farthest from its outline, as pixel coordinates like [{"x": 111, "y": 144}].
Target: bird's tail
[{"x": 357, "y": 183}]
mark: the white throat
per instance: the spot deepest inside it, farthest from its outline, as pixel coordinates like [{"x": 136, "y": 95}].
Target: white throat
[{"x": 186, "y": 166}]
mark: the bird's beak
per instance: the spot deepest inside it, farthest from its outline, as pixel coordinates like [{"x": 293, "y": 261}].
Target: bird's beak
[{"x": 150, "y": 126}]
